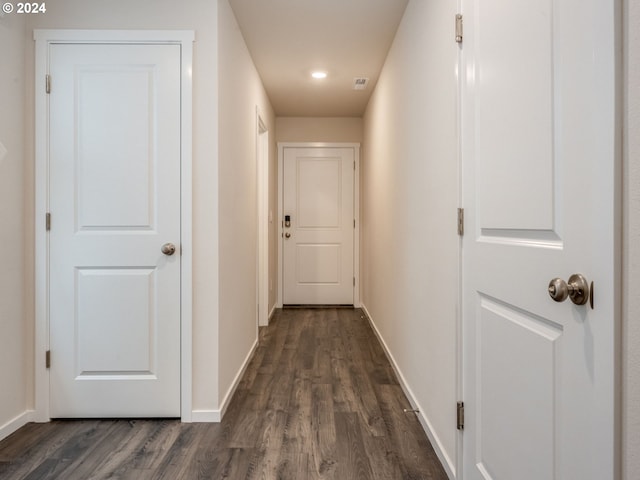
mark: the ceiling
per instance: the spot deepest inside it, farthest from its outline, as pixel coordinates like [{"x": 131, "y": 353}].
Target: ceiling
[{"x": 289, "y": 39}]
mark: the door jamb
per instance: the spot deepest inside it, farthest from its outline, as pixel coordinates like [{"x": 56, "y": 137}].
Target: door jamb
[
  {"x": 459, "y": 464},
  {"x": 356, "y": 211},
  {"x": 262, "y": 168},
  {"x": 43, "y": 39}
]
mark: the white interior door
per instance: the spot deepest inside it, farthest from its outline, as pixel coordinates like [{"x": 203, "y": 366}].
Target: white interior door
[
  {"x": 318, "y": 241},
  {"x": 114, "y": 202},
  {"x": 539, "y": 160}
]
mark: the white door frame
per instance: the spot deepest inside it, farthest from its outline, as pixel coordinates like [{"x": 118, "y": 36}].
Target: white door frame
[
  {"x": 44, "y": 38},
  {"x": 356, "y": 211},
  {"x": 262, "y": 168}
]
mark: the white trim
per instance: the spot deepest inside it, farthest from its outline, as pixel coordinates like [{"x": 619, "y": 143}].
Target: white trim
[
  {"x": 186, "y": 228},
  {"x": 215, "y": 416},
  {"x": 43, "y": 39},
  {"x": 459, "y": 464},
  {"x": 206, "y": 416},
  {"x": 41, "y": 206},
  {"x": 272, "y": 312},
  {"x": 356, "y": 233},
  {"x": 114, "y": 36},
  {"x": 16, "y": 423},
  {"x": 356, "y": 210},
  {"x": 262, "y": 170},
  {"x": 448, "y": 464}
]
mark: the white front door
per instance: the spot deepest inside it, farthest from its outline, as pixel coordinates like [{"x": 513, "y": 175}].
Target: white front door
[
  {"x": 114, "y": 150},
  {"x": 318, "y": 226},
  {"x": 539, "y": 159}
]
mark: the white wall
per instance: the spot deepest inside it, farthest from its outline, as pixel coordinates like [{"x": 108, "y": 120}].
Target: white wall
[
  {"x": 200, "y": 16},
  {"x": 631, "y": 249},
  {"x": 320, "y": 129},
  {"x": 409, "y": 198},
  {"x": 240, "y": 90},
  {"x": 15, "y": 342}
]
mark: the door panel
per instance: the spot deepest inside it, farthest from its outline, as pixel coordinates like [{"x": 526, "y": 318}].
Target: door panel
[
  {"x": 108, "y": 342},
  {"x": 539, "y": 168},
  {"x": 114, "y": 201},
  {"x": 319, "y": 193},
  {"x": 319, "y": 264},
  {"x": 318, "y": 254},
  {"x": 115, "y": 164},
  {"x": 515, "y": 176},
  {"x": 529, "y": 360}
]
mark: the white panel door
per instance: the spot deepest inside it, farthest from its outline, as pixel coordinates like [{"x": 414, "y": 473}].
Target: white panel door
[
  {"x": 318, "y": 242},
  {"x": 539, "y": 160},
  {"x": 114, "y": 201}
]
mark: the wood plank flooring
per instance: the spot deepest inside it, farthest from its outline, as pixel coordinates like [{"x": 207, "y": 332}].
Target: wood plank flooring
[{"x": 319, "y": 400}]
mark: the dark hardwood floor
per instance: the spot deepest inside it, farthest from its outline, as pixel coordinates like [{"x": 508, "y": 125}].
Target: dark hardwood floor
[{"x": 319, "y": 400}]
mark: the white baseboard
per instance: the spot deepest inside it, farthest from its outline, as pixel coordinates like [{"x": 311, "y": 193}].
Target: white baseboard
[
  {"x": 215, "y": 416},
  {"x": 269, "y": 316},
  {"x": 447, "y": 463},
  {"x": 16, "y": 423},
  {"x": 206, "y": 416}
]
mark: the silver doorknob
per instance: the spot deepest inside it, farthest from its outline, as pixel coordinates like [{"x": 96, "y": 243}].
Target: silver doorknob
[
  {"x": 577, "y": 289},
  {"x": 168, "y": 249},
  {"x": 287, "y": 235}
]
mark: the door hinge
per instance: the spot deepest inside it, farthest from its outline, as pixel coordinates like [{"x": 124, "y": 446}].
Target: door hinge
[
  {"x": 47, "y": 221},
  {"x": 461, "y": 221},
  {"x": 458, "y": 28},
  {"x": 354, "y": 223},
  {"x": 460, "y": 416},
  {"x": 47, "y": 359},
  {"x": 354, "y": 281},
  {"x": 47, "y": 82},
  {"x": 354, "y": 165}
]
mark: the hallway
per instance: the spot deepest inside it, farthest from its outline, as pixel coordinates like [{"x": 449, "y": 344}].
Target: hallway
[{"x": 319, "y": 400}]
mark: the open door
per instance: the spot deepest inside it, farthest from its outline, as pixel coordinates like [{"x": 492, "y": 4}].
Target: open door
[{"x": 539, "y": 146}]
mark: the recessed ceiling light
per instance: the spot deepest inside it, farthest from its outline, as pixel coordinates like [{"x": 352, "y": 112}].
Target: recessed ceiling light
[{"x": 319, "y": 75}]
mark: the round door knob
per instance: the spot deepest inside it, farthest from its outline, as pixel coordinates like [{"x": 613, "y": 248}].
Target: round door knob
[
  {"x": 558, "y": 290},
  {"x": 577, "y": 289},
  {"x": 168, "y": 249},
  {"x": 287, "y": 235}
]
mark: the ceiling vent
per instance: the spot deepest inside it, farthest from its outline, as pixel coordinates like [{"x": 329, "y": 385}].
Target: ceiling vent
[{"x": 360, "y": 83}]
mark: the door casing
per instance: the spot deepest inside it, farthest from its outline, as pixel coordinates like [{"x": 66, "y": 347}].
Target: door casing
[
  {"x": 262, "y": 169},
  {"x": 43, "y": 39},
  {"x": 356, "y": 211}
]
